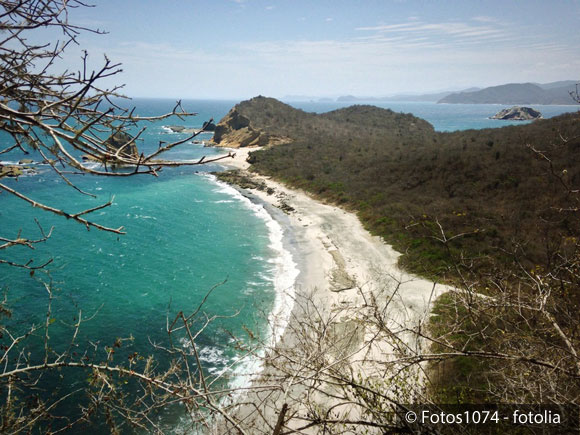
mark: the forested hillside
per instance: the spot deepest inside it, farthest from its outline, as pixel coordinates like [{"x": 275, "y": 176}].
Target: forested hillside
[
  {"x": 492, "y": 212},
  {"x": 402, "y": 178}
]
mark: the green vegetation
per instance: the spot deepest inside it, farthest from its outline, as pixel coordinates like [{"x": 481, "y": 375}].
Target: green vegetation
[
  {"x": 402, "y": 177},
  {"x": 493, "y": 212}
]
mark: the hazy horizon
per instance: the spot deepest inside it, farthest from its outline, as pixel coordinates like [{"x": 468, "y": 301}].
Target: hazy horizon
[{"x": 236, "y": 49}]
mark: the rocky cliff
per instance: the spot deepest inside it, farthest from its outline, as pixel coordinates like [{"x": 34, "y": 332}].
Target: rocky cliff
[
  {"x": 235, "y": 130},
  {"x": 265, "y": 121}
]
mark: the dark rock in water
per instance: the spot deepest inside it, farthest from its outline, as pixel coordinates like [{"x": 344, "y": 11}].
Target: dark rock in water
[
  {"x": 10, "y": 171},
  {"x": 114, "y": 143},
  {"x": 120, "y": 139},
  {"x": 208, "y": 126},
  {"x": 176, "y": 128},
  {"x": 189, "y": 130},
  {"x": 517, "y": 113}
]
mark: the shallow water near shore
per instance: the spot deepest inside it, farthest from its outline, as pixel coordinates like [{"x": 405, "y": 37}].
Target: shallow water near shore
[{"x": 185, "y": 234}]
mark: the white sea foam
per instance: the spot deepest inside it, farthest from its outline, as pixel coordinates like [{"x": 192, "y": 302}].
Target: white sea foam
[
  {"x": 15, "y": 163},
  {"x": 167, "y": 130},
  {"x": 212, "y": 355},
  {"x": 282, "y": 273},
  {"x": 93, "y": 165},
  {"x": 142, "y": 216}
]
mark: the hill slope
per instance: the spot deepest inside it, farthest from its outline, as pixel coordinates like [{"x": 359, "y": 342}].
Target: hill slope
[
  {"x": 516, "y": 93},
  {"x": 402, "y": 177},
  {"x": 274, "y": 119},
  {"x": 492, "y": 211}
]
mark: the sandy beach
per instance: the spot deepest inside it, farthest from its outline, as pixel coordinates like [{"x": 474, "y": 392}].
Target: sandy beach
[{"x": 344, "y": 272}]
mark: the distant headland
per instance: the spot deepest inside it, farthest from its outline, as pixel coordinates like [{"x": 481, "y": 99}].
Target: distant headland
[{"x": 553, "y": 93}]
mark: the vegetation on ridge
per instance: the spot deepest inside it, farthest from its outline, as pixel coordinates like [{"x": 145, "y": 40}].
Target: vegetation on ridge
[
  {"x": 492, "y": 211},
  {"x": 402, "y": 177}
]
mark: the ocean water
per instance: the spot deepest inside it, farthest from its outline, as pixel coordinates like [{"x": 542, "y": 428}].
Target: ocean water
[
  {"x": 445, "y": 117},
  {"x": 186, "y": 233}
]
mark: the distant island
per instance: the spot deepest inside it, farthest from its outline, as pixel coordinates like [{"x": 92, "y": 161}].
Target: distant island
[
  {"x": 431, "y": 97},
  {"x": 517, "y": 113},
  {"x": 517, "y": 93},
  {"x": 512, "y": 93}
]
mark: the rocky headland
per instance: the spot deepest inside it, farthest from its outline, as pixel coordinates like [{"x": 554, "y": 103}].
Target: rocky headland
[
  {"x": 236, "y": 131},
  {"x": 264, "y": 122},
  {"x": 517, "y": 93}
]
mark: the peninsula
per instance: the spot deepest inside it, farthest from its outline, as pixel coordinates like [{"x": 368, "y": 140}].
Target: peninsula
[{"x": 451, "y": 204}]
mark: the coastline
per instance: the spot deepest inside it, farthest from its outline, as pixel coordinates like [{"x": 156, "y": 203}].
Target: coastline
[
  {"x": 340, "y": 266},
  {"x": 284, "y": 276}
]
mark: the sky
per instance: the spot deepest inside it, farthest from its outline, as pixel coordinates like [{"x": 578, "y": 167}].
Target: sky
[{"x": 236, "y": 49}]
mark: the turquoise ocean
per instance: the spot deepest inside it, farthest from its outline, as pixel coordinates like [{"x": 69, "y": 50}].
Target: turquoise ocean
[{"x": 186, "y": 232}]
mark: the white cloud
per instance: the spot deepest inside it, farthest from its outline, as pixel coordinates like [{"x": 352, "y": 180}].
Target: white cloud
[
  {"x": 385, "y": 59},
  {"x": 449, "y": 31},
  {"x": 485, "y": 19}
]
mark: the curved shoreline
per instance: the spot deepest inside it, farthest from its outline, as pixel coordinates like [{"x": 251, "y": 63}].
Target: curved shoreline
[
  {"x": 341, "y": 265},
  {"x": 284, "y": 275},
  {"x": 335, "y": 247}
]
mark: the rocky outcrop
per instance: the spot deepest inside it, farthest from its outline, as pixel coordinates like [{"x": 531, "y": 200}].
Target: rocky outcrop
[
  {"x": 235, "y": 131},
  {"x": 15, "y": 171},
  {"x": 177, "y": 128},
  {"x": 517, "y": 113},
  {"x": 115, "y": 142},
  {"x": 208, "y": 126},
  {"x": 10, "y": 171},
  {"x": 118, "y": 140}
]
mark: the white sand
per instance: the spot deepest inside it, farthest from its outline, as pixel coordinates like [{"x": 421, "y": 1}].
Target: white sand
[
  {"x": 326, "y": 230},
  {"x": 340, "y": 262}
]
